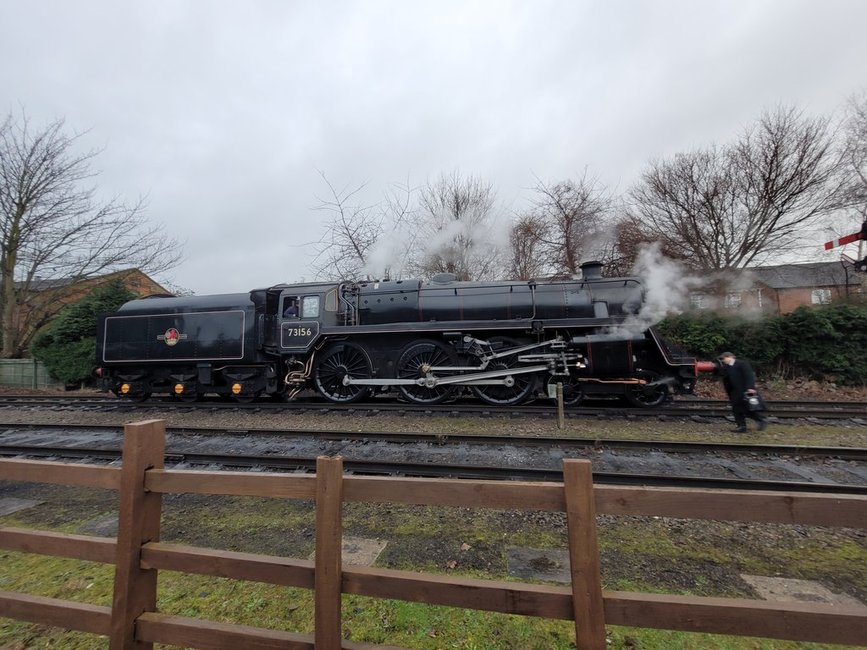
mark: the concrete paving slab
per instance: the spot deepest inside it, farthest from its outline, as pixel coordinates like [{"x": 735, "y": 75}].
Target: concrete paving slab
[
  {"x": 8, "y": 505},
  {"x": 539, "y": 564},
  {"x": 792, "y": 590},
  {"x": 360, "y": 551}
]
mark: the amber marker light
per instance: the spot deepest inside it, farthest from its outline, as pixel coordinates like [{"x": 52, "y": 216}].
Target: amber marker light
[
  {"x": 124, "y": 388},
  {"x": 179, "y": 388},
  {"x": 236, "y": 389}
]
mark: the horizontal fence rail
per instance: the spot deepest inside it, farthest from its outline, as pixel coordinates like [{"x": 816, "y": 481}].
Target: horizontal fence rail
[{"x": 133, "y": 620}]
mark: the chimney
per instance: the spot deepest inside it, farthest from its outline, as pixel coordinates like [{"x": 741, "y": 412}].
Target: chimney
[{"x": 591, "y": 270}]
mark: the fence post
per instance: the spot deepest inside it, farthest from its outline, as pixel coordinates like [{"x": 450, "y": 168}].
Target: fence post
[
  {"x": 328, "y": 575},
  {"x": 587, "y": 603},
  {"x": 135, "y": 589}
]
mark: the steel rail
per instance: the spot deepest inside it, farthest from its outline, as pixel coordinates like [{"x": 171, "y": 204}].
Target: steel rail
[
  {"x": 301, "y": 463},
  {"x": 681, "y": 447},
  {"x": 678, "y": 409}
]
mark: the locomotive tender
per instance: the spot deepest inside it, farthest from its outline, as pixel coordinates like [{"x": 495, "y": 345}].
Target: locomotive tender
[{"x": 429, "y": 340}]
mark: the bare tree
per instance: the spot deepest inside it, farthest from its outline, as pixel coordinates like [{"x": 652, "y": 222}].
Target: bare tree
[
  {"x": 393, "y": 254},
  {"x": 569, "y": 222},
  {"x": 622, "y": 251},
  {"x": 455, "y": 224},
  {"x": 855, "y": 127},
  {"x": 525, "y": 247},
  {"x": 350, "y": 233},
  {"x": 364, "y": 241},
  {"x": 728, "y": 206},
  {"x": 52, "y": 226}
]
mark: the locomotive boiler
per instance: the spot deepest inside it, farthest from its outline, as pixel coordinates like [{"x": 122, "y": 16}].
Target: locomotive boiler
[{"x": 429, "y": 341}]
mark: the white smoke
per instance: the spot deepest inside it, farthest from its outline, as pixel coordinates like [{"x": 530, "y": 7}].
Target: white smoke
[
  {"x": 411, "y": 247},
  {"x": 389, "y": 255},
  {"x": 667, "y": 286}
]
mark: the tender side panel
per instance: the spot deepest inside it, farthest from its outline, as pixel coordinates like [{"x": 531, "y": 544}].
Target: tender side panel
[{"x": 193, "y": 336}]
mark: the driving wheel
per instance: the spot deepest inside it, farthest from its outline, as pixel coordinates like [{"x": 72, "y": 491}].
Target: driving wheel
[
  {"x": 518, "y": 387},
  {"x": 337, "y": 362},
  {"x": 415, "y": 363}
]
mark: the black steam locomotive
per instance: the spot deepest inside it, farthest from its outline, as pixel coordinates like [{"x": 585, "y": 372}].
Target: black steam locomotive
[{"x": 429, "y": 340}]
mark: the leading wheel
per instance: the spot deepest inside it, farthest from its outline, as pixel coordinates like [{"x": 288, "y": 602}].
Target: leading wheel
[
  {"x": 415, "y": 363},
  {"x": 340, "y": 361},
  {"x": 644, "y": 396},
  {"x": 573, "y": 393},
  {"x": 518, "y": 387}
]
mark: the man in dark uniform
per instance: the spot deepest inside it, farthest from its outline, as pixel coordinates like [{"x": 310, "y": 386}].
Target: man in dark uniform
[{"x": 740, "y": 381}]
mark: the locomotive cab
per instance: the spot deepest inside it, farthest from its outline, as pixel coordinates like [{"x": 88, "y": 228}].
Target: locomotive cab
[{"x": 296, "y": 314}]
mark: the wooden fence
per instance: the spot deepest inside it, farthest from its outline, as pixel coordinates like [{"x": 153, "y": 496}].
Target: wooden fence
[{"x": 133, "y": 620}]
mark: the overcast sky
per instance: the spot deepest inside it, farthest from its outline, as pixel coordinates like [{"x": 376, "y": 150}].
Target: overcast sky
[{"x": 221, "y": 113}]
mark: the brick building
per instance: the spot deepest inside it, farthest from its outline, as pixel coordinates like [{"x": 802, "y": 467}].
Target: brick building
[
  {"x": 42, "y": 300},
  {"x": 780, "y": 289},
  {"x": 68, "y": 290}
]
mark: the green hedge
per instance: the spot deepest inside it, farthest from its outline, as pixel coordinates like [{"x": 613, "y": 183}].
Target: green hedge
[
  {"x": 67, "y": 346},
  {"x": 827, "y": 342}
]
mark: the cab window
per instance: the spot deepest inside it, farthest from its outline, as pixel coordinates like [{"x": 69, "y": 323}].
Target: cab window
[
  {"x": 290, "y": 307},
  {"x": 331, "y": 300},
  {"x": 310, "y": 307}
]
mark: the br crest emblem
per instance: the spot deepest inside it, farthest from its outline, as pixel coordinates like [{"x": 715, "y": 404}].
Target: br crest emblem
[{"x": 171, "y": 337}]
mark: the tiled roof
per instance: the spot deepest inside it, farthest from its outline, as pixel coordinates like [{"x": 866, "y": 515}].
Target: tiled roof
[
  {"x": 41, "y": 284},
  {"x": 816, "y": 274},
  {"x": 45, "y": 284}
]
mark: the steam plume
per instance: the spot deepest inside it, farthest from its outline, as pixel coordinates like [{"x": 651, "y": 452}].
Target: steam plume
[{"x": 666, "y": 285}]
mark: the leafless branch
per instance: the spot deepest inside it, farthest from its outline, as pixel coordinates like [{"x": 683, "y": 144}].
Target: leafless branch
[
  {"x": 751, "y": 201},
  {"x": 53, "y": 226},
  {"x": 454, "y": 223},
  {"x": 570, "y": 221}
]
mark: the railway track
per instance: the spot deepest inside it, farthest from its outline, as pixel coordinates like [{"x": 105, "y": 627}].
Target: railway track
[
  {"x": 686, "y": 408},
  {"x": 858, "y": 454},
  {"x": 622, "y": 462}
]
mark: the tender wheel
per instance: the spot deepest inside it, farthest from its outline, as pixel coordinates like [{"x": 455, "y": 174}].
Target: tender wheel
[
  {"x": 647, "y": 397},
  {"x": 415, "y": 362},
  {"x": 337, "y": 362},
  {"x": 573, "y": 394},
  {"x": 522, "y": 384},
  {"x": 138, "y": 397}
]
